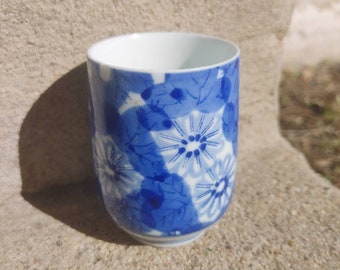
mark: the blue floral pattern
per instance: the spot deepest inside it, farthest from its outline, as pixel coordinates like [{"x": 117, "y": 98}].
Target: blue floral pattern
[
  {"x": 214, "y": 191},
  {"x": 192, "y": 143},
  {"x": 165, "y": 146},
  {"x": 113, "y": 170}
]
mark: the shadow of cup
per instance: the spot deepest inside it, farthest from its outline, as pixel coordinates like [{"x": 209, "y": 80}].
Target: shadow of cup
[
  {"x": 54, "y": 144},
  {"x": 56, "y": 159}
]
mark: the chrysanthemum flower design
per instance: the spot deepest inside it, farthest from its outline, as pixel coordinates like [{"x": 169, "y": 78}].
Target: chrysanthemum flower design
[
  {"x": 117, "y": 176},
  {"x": 213, "y": 193},
  {"x": 190, "y": 146}
]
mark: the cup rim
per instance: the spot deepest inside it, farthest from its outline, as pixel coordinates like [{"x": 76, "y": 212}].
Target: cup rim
[{"x": 135, "y": 35}]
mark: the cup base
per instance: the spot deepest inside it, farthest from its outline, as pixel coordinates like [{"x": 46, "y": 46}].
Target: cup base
[{"x": 167, "y": 242}]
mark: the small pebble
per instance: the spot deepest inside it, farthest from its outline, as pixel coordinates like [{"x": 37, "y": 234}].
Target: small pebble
[
  {"x": 293, "y": 212},
  {"x": 59, "y": 243}
]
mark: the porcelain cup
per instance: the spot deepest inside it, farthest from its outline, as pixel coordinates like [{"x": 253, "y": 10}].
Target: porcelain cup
[{"x": 164, "y": 116}]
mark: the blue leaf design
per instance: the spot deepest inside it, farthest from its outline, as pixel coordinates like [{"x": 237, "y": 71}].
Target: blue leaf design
[
  {"x": 231, "y": 111},
  {"x": 232, "y": 74},
  {"x": 127, "y": 213},
  {"x": 225, "y": 88},
  {"x": 123, "y": 83},
  {"x": 153, "y": 119},
  {"x": 167, "y": 205},
  {"x": 182, "y": 93},
  {"x": 135, "y": 140},
  {"x": 230, "y": 124}
]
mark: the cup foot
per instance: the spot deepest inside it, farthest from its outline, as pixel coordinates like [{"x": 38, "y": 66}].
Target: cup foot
[{"x": 168, "y": 242}]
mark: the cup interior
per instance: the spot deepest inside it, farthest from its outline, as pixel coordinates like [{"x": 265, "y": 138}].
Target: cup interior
[{"x": 163, "y": 51}]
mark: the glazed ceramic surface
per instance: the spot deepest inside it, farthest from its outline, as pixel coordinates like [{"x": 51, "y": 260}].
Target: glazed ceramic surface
[{"x": 164, "y": 113}]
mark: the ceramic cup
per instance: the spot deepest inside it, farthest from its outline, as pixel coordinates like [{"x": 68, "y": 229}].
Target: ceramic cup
[{"x": 164, "y": 114}]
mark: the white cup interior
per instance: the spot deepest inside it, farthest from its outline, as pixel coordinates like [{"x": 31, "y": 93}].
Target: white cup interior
[{"x": 163, "y": 51}]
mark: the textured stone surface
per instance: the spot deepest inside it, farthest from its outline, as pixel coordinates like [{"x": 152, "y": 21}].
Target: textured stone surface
[{"x": 283, "y": 215}]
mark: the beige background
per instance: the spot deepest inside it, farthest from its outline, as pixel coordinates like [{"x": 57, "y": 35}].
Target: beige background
[{"x": 283, "y": 216}]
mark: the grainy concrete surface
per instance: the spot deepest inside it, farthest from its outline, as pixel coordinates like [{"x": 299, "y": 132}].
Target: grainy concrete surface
[{"x": 283, "y": 215}]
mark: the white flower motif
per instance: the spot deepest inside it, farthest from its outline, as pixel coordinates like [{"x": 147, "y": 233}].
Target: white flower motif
[
  {"x": 158, "y": 77},
  {"x": 116, "y": 175},
  {"x": 220, "y": 73},
  {"x": 213, "y": 194},
  {"x": 192, "y": 144}
]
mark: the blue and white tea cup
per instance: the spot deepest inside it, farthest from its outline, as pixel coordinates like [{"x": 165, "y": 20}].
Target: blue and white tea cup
[{"x": 164, "y": 116}]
